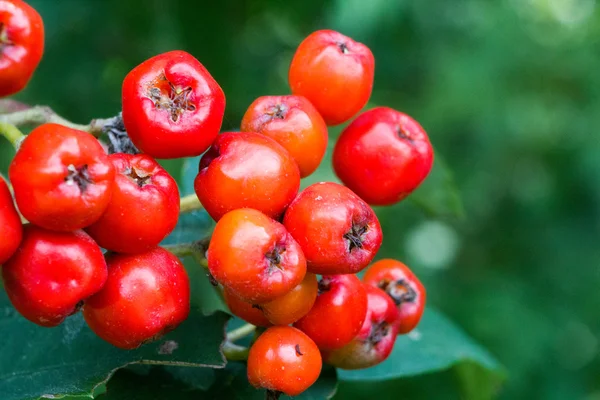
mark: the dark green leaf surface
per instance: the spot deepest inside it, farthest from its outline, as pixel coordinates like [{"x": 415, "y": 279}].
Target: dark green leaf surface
[
  {"x": 437, "y": 344},
  {"x": 70, "y": 359}
]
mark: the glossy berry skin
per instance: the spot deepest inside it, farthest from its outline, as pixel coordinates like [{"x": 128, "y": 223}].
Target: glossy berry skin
[
  {"x": 21, "y": 45},
  {"x": 62, "y": 178},
  {"x": 254, "y": 256},
  {"x": 285, "y": 360},
  {"x": 293, "y": 305},
  {"x": 144, "y": 207},
  {"x": 383, "y": 155},
  {"x": 146, "y": 295},
  {"x": 51, "y": 274},
  {"x": 338, "y": 314},
  {"x": 376, "y": 338},
  {"x": 405, "y": 289},
  {"x": 334, "y": 73},
  {"x": 246, "y": 170},
  {"x": 11, "y": 230},
  {"x": 244, "y": 310},
  {"x": 338, "y": 232},
  {"x": 294, "y": 123},
  {"x": 172, "y": 106}
]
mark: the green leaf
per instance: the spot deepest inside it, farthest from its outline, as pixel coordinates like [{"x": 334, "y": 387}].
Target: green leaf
[
  {"x": 436, "y": 345},
  {"x": 71, "y": 360},
  {"x": 174, "y": 383}
]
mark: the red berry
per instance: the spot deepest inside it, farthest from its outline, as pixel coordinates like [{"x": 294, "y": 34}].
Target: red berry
[
  {"x": 21, "y": 45},
  {"x": 405, "y": 289},
  {"x": 146, "y": 295},
  {"x": 335, "y": 73},
  {"x": 338, "y": 313},
  {"x": 338, "y": 232},
  {"x": 284, "y": 360},
  {"x": 51, "y": 274},
  {"x": 294, "y": 123},
  {"x": 376, "y": 338},
  {"x": 254, "y": 256},
  {"x": 246, "y": 170},
  {"x": 172, "y": 106},
  {"x": 383, "y": 155},
  {"x": 144, "y": 207},
  {"x": 62, "y": 178},
  {"x": 11, "y": 230},
  {"x": 293, "y": 305},
  {"x": 244, "y": 310}
]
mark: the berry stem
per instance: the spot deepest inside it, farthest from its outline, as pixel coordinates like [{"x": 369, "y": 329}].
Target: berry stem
[
  {"x": 189, "y": 203},
  {"x": 240, "y": 332},
  {"x": 234, "y": 352},
  {"x": 19, "y": 114},
  {"x": 12, "y": 134},
  {"x": 195, "y": 249}
]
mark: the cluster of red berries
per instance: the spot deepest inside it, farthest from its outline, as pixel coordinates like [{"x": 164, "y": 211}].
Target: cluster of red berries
[{"x": 269, "y": 243}]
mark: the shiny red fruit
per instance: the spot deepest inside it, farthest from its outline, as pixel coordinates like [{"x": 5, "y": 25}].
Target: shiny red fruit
[
  {"x": 383, "y": 155},
  {"x": 144, "y": 207},
  {"x": 62, "y": 178},
  {"x": 284, "y": 360},
  {"x": 294, "y": 123},
  {"x": 146, "y": 295},
  {"x": 11, "y": 230},
  {"x": 21, "y": 45},
  {"x": 254, "y": 256},
  {"x": 334, "y": 73},
  {"x": 172, "y": 106},
  {"x": 338, "y": 314},
  {"x": 405, "y": 289},
  {"x": 293, "y": 305},
  {"x": 51, "y": 274},
  {"x": 244, "y": 310},
  {"x": 246, "y": 170},
  {"x": 376, "y": 338},
  {"x": 338, "y": 232}
]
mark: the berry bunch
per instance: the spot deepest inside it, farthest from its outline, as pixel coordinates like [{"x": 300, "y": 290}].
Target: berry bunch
[{"x": 280, "y": 257}]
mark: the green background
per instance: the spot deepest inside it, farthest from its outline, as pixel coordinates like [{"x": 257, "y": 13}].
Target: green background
[{"x": 509, "y": 92}]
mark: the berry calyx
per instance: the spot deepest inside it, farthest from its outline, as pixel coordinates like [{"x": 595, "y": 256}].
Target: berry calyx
[
  {"x": 144, "y": 207},
  {"x": 404, "y": 288},
  {"x": 62, "y": 178},
  {"x": 329, "y": 216},
  {"x": 254, "y": 256},
  {"x": 172, "y": 106}
]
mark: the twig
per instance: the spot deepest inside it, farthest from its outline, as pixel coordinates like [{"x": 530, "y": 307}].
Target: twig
[
  {"x": 241, "y": 332},
  {"x": 190, "y": 203}
]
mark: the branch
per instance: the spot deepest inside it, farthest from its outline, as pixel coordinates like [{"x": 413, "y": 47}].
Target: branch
[
  {"x": 20, "y": 114},
  {"x": 233, "y": 352},
  {"x": 12, "y": 134},
  {"x": 196, "y": 249},
  {"x": 190, "y": 203},
  {"x": 240, "y": 332}
]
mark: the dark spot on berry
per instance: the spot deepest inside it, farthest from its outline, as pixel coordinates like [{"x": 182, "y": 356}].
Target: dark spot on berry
[
  {"x": 298, "y": 352},
  {"x": 403, "y": 133},
  {"x": 4, "y": 39},
  {"x": 274, "y": 258},
  {"x": 257, "y": 306},
  {"x": 378, "y": 332},
  {"x": 400, "y": 291},
  {"x": 355, "y": 236},
  {"x": 212, "y": 280},
  {"x": 140, "y": 177},
  {"x": 170, "y": 98},
  {"x": 78, "y": 176},
  {"x": 343, "y": 47},
  {"x": 324, "y": 285}
]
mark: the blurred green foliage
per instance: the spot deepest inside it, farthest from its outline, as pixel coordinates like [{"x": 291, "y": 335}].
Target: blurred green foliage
[{"x": 509, "y": 92}]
